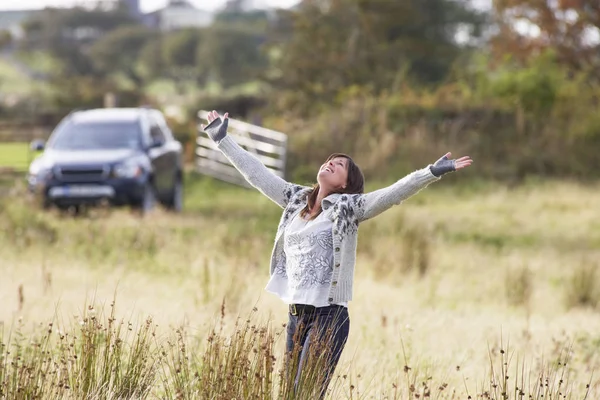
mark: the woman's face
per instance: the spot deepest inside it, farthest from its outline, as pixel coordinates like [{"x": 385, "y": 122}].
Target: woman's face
[{"x": 333, "y": 175}]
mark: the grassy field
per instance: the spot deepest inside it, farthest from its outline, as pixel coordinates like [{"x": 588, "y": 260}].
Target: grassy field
[
  {"x": 16, "y": 156},
  {"x": 461, "y": 291}
]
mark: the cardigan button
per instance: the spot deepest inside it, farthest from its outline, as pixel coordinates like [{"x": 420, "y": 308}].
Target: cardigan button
[
  {"x": 335, "y": 232},
  {"x": 334, "y": 283},
  {"x": 337, "y": 265},
  {"x": 337, "y": 249},
  {"x": 330, "y": 299}
]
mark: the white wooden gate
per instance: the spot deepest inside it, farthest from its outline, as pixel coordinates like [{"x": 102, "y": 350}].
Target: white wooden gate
[{"x": 269, "y": 146}]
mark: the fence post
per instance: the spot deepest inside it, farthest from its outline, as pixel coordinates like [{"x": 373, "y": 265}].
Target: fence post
[{"x": 110, "y": 100}]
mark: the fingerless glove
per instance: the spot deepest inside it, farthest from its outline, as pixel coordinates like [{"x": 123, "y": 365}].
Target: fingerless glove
[
  {"x": 443, "y": 166},
  {"x": 217, "y": 129}
]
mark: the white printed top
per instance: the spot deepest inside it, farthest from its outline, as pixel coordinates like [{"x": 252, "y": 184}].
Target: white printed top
[
  {"x": 306, "y": 276},
  {"x": 346, "y": 211}
]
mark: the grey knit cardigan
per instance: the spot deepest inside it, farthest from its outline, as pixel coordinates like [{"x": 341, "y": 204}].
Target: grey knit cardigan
[{"x": 346, "y": 211}]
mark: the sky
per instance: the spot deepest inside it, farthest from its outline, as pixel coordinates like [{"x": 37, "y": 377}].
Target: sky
[{"x": 146, "y": 5}]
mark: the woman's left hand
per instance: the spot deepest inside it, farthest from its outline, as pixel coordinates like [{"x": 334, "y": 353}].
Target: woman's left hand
[{"x": 445, "y": 164}]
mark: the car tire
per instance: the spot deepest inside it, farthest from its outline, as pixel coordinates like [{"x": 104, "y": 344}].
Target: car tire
[{"x": 175, "y": 202}]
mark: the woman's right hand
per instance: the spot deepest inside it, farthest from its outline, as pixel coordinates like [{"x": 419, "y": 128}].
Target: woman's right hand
[{"x": 216, "y": 129}]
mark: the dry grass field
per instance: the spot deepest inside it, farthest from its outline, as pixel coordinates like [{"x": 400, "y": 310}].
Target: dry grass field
[{"x": 478, "y": 291}]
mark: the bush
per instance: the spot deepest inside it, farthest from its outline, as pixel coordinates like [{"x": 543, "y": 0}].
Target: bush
[{"x": 514, "y": 121}]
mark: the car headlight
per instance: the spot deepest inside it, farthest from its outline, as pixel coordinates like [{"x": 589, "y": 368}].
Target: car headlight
[
  {"x": 127, "y": 170},
  {"x": 39, "y": 173}
]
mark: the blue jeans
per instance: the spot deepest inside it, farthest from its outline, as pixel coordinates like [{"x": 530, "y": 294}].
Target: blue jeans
[{"x": 323, "y": 334}]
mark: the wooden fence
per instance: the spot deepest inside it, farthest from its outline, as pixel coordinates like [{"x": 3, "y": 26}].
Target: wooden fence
[
  {"x": 269, "y": 146},
  {"x": 23, "y": 132}
]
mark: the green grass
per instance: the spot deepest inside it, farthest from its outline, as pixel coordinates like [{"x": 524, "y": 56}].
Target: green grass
[
  {"x": 221, "y": 201},
  {"x": 15, "y": 156}
]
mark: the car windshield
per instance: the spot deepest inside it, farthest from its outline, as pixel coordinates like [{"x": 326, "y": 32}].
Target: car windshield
[{"x": 97, "y": 136}]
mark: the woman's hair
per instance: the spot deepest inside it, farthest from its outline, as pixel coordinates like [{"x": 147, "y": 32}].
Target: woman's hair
[{"x": 354, "y": 185}]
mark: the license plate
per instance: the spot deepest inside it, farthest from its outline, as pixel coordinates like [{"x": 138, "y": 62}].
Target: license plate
[{"x": 82, "y": 191}]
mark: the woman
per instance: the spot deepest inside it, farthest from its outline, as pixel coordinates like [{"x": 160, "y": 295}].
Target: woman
[{"x": 312, "y": 263}]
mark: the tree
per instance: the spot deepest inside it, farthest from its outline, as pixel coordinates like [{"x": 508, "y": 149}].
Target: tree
[
  {"x": 256, "y": 20},
  {"x": 327, "y": 46},
  {"x": 232, "y": 55},
  {"x": 67, "y": 34},
  {"x": 119, "y": 50},
  {"x": 236, "y": 6},
  {"x": 151, "y": 60},
  {"x": 180, "y": 47},
  {"x": 570, "y": 28},
  {"x": 179, "y": 57}
]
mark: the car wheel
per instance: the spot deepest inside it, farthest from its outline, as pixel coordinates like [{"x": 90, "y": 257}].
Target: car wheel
[{"x": 176, "y": 199}]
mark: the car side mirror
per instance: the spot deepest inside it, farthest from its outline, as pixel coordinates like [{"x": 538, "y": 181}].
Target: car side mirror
[{"x": 37, "y": 145}]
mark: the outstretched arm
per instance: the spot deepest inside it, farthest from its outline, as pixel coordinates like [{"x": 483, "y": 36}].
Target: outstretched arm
[
  {"x": 254, "y": 171},
  {"x": 376, "y": 202}
]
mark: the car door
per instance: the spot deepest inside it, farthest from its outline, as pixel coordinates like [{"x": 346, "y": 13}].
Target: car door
[
  {"x": 173, "y": 153},
  {"x": 159, "y": 157}
]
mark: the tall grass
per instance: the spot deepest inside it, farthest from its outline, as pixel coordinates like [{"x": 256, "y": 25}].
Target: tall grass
[
  {"x": 512, "y": 379},
  {"x": 95, "y": 356},
  {"x": 433, "y": 280},
  {"x": 583, "y": 286},
  {"x": 243, "y": 364},
  {"x": 99, "y": 356},
  {"x": 519, "y": 286}
]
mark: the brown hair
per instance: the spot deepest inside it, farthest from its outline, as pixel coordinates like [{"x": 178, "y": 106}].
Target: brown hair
[{"x": 354, "y": 185}]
